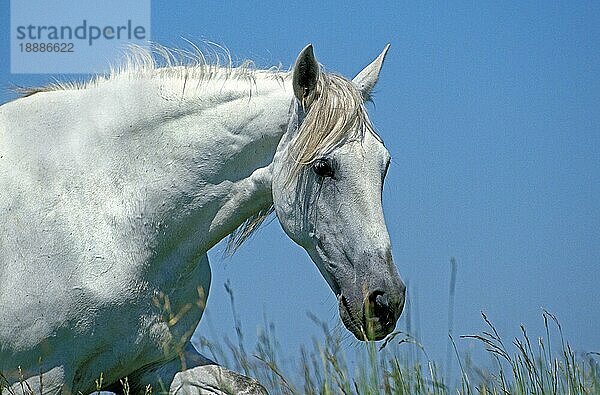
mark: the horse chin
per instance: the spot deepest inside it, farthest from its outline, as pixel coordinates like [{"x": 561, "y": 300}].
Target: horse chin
[
  {"x": 351, "y": 325},
  {"x": 351, "y": 320}
]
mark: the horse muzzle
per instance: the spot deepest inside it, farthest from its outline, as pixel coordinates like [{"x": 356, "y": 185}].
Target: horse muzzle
[{"x": 373, "y": 316}]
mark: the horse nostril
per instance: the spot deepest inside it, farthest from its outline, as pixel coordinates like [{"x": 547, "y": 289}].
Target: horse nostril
[
  {"x": 378, "y": 305},
  {"x": 381, "y": 301}
]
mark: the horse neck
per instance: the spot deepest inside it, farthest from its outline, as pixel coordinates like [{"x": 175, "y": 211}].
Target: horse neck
[{"x": 211, "y": 144}]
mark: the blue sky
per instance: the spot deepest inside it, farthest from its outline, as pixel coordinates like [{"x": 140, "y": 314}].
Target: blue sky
[{"x": 491, "y": 114}]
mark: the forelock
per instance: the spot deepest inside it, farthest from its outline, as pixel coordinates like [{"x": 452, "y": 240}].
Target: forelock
[{"x": 334, "y": 115}]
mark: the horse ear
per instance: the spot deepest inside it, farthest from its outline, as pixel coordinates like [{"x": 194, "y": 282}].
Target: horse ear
[
  {"x": 366, "y": 79},
  {"x": 306, "y": 74}
]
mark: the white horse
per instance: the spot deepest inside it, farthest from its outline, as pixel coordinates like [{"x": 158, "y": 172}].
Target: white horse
[{"x": 112, "y": 191}]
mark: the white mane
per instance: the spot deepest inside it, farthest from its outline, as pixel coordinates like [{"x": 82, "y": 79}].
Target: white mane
[{"x": 157, "y": 61}]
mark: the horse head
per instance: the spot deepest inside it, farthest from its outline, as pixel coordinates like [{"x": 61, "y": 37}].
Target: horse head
[{"x": 328, "y": 175}]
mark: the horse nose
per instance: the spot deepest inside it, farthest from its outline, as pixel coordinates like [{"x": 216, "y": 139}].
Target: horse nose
[
  {"x": 385, "y": 307},
  {"x": 381, "y": 305},
  {"x": 378, "y": 306}
]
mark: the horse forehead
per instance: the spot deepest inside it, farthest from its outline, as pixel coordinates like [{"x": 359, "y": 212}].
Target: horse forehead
[{"x": 369, "y": 149}]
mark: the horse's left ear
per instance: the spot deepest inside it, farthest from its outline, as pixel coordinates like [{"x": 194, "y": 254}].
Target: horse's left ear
[{"x": 366, "y": 79}]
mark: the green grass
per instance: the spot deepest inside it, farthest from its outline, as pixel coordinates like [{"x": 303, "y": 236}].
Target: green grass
[{"x": 518, "y": 367}]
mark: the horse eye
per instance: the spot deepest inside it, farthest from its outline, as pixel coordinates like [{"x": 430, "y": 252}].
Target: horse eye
[{"x": 323, "y": 168}]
